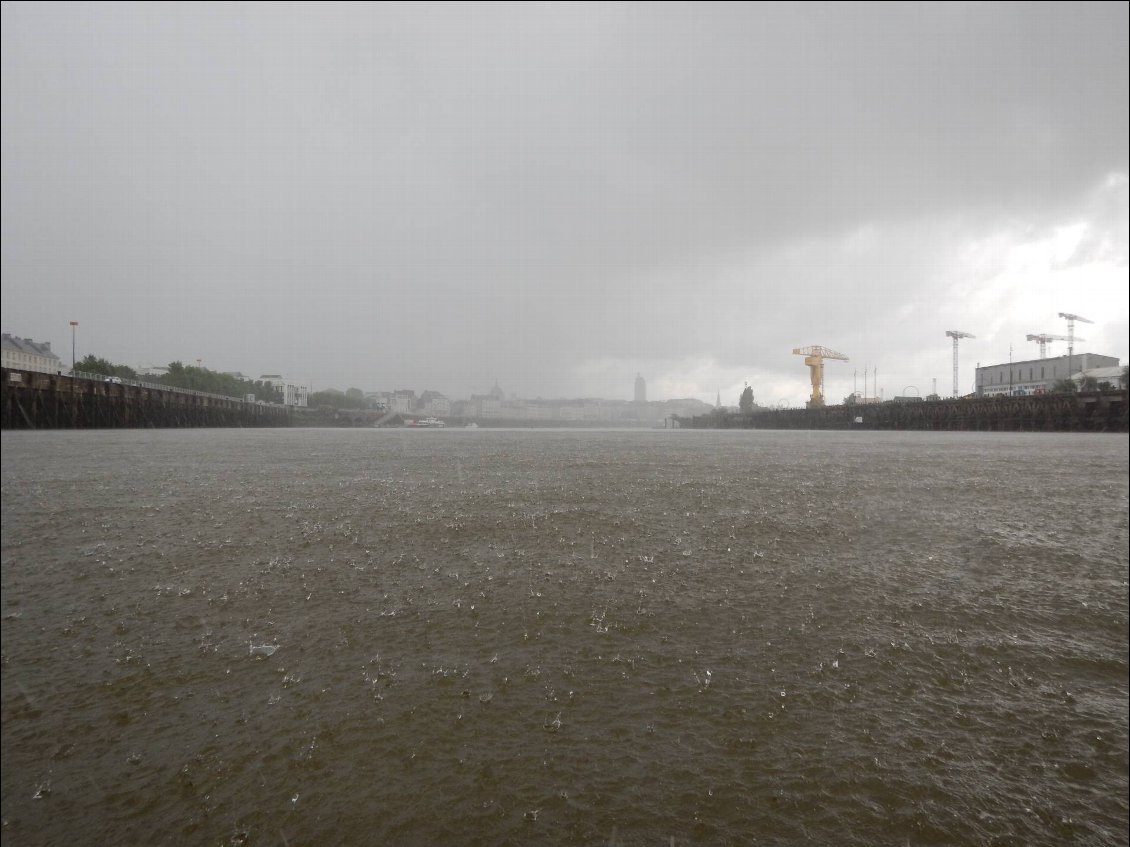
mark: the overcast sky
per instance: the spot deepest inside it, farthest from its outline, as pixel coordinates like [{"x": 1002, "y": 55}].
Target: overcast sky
[{"x": 557, "y": 197}]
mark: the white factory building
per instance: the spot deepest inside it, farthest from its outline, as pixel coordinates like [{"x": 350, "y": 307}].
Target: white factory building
[{"x": 1036, "y": 376}]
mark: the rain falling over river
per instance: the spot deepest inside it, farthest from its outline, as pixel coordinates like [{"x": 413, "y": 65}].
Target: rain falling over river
[{"x": 564, "y": 637}]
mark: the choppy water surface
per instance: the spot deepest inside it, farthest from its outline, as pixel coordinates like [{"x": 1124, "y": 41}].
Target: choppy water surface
[{"x": 491, "y": 637}]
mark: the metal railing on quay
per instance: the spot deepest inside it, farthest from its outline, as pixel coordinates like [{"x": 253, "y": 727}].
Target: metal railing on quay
[{"x": 156, "y": 386}]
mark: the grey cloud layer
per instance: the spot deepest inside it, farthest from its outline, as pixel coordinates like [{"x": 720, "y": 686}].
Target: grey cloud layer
[{"x": 520, "y": 186}]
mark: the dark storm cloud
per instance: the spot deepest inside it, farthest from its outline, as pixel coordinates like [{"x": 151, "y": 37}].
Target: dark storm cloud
[{"x": 441, "y": 195}]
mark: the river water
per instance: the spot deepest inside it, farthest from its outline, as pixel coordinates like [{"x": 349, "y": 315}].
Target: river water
[{"x": 564, "y": 637}]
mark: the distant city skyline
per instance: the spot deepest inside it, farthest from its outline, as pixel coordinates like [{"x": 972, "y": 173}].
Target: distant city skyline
[{"x": 639, "y": 389}]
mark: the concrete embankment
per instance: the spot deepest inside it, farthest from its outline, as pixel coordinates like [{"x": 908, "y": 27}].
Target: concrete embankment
[
  {"x": 30, "y": 400},
  {"x": 1103, "y": 411}
]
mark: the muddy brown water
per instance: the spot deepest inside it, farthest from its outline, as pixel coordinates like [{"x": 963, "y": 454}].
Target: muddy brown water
[{"x": 564, "y": 637}]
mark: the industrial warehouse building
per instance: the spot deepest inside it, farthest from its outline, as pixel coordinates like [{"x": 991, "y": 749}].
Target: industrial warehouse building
[{"x": 1036, "y": 376}]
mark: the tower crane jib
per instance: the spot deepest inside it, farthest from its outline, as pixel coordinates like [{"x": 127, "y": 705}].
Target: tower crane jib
[{"x": 1043, "y": 338}]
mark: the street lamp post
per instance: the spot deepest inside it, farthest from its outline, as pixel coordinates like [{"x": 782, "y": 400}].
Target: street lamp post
[{"x": 73, "y": 325}]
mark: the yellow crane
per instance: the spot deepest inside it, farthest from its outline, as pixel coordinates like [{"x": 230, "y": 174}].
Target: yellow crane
[{"x": 814, "y": 357}]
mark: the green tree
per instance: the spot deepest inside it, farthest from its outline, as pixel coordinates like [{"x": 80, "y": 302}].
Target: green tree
[
  {"x": 745, "y": 402},
  {"x": 1089, "y": 383},
  {"x": 329, "y": 397},
  {"x": 96, "y": 365},
  {"x": 1064, "y": 386},
  {"x": 181, "y": 375},
  {"x": 265, "y": 391},
  {"x": 92, "y": 364},
  {"x": 1124, "y": 377}
]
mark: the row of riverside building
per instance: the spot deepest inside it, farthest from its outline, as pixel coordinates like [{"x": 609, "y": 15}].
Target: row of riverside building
[
  {"x": 1034, "y": 376},
  {"x": 495, "y": 405},
  {"x": 23, "y": 354},
  {"x": 28, "y": 355}
]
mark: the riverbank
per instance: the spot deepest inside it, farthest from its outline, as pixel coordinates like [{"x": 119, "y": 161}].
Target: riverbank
[{"x": 1100, "y": 411}]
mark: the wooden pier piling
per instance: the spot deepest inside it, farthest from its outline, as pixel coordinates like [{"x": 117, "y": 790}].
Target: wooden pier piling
[{"x": 31, "y": 400}]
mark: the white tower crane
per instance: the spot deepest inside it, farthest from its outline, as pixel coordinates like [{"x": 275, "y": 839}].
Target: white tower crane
[
  {"x": 1071, "y": 319},
  {"x": 1043, "y": 339},
  {"x": 957, "y": 335}
]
